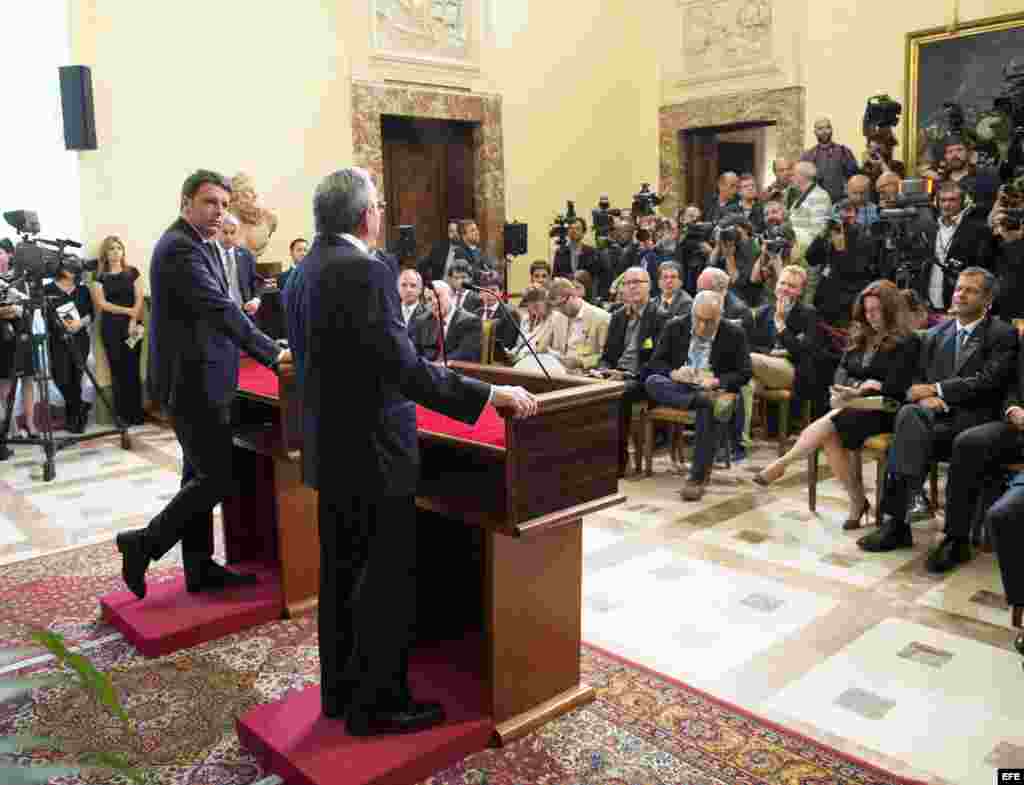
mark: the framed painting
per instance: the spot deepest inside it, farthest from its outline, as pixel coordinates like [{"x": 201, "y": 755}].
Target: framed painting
[{"x": 962, "y": 66}]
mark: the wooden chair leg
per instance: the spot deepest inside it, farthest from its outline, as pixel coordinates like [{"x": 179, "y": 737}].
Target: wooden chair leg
[
  {"x": 648, "y": 446},
  {"x": 637, "y": 437},
  {"x": 935, "y": 486},
  {"x": 812, "y": 481},
  {"x": 783, "y": 426},
  {"x": 879, "y": 482}
]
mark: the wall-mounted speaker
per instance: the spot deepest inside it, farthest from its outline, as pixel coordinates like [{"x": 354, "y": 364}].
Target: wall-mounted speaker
[
  {"x": 515, "y": 239},
  {"x": 76, "y": 106}
]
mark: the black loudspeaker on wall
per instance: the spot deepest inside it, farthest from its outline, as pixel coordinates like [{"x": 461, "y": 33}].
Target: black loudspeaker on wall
[
  {"x": 76, "y": 106},
  {"x": 515, "y": 239}
]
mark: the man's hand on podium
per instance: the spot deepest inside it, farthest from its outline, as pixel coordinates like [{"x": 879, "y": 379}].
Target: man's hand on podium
[
  {"x": 285, "y": 366},
  {"x": 514, "y": 401}
]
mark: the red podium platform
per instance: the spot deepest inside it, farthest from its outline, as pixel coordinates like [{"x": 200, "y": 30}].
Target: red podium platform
[
  {"x": 169, "y": 618},
  {"x": 297, "y": 743}
]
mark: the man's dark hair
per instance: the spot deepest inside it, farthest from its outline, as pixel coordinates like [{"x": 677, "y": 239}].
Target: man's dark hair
[
  {"x": 295, "y": 242},
  {"x": 643, "y": 235},
  {"x": 464, "y": 225},
  {"x": 460, "y": 266},
  {"x": 540, "y": 264},
  {"x": 670, "y": 266},
  {"x": 581, "y": 222},
  {"x": 201, "y": 177}
]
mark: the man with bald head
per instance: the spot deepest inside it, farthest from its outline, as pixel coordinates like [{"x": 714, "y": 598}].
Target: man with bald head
[
  {"x": 715, "y": 279},
  {"x": 858, "y": 192},
  {"x": 700, "y": 355},
  {"x": 725, "y": 200},
  {"x": 835, "y": 162},
  {"x": 782, "y": 189}
]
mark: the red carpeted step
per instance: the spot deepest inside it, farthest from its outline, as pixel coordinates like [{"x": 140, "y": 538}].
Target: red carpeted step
[
  {"x": 297, "y": 743},
  {"x": 169, "y": 618}
]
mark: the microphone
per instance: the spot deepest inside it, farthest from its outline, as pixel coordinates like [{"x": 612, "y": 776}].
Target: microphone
[{"x": 515, "y": 323}]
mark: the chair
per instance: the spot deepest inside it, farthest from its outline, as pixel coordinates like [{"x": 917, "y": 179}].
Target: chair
[
  {"x": 875, "y": 447},
  {"x": 783, "y": 397},
  {"x": 678, "y": 418}
]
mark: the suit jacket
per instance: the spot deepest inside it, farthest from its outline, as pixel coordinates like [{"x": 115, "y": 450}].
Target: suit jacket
[
  {"x": 483, "y": 265},
  {"x": 978, "y": 385},
  {"x": 802, "y": 338},
  {"x": 431, "y": 267},
  {"x": 651, "y": 323},
  {"x": 249, "y": 282},
  {"x": 681, "y": 304},
  {"x": 462, "y": 342},
  {"x": 471, "y": 302},
  {"x": 417, "y": 313},
  {"x": 972, "y": 244},
  {"x": 595, "y": 334},
  {"x": 894, "y": 365},
  {"x": 195, "y": 329},
  {"x": 588, "y": 261},
  {"x": 730, "y": 355},
  {"x": 736, "y": 310},
  {"x": 363, "y": 406}
]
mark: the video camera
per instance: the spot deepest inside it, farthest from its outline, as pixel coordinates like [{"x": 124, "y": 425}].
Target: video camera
[
  {"x": 913, "y": 197},
  {"x": 645, "y": 201},
  {"x": 775, "y": 242},
  {"x": 34, "y": 262},
  {"x": 1011, "y": 103},
  {"x": 881, "y": 111},
  {"x": 601, "y": 218},
  {"x": 560, "y": 226}
]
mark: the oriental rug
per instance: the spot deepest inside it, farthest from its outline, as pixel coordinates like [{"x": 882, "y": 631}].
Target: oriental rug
[{"x": 643, "y": 729}]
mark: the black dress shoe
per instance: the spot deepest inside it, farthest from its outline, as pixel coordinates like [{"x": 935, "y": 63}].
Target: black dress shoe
[
  {"x": 210, "y": 576},
  {"x": 948, "y": 554},
  {"x": 132, "y": 546},
  {"x": 890, "y": 536},
  {"x": 411, "y": 718}
]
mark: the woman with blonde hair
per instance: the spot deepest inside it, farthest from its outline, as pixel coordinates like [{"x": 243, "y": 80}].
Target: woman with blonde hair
[
  {"x": 117, "y": 294},
  {"x": 882, "y": 359}
]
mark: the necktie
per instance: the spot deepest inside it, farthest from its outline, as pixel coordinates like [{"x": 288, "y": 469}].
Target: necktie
[{"x": 961, "y": 342}]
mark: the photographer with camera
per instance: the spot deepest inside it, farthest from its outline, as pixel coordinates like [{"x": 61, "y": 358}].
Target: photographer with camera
[
  {"x": 846, "y": 259},
  {"x": 73, "y": 311},
  {"x": 858, "y": 189},
  {"x": 694, "y": 248},
  {"x": 1009, "y": 264},
  {"x": 777, "y": 242},
  {"x": 878, "y": 158},
  {"x": 958, "y": 241},
  {"x": 782, "y": 189},
  {"x": 749, "y": 206},
  {"x": 734, "y": 253},
  {"x": 725, "y": 200}
]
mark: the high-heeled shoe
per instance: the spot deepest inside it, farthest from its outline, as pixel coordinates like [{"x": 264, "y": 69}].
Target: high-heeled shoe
[
  {"x": 1016, "y": 612},
  {"x": 761, "y": 479},
  {"x": 854, "y": 523}
]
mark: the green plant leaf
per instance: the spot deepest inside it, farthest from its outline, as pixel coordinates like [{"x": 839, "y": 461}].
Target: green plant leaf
[{"x": 34, "y": 775}]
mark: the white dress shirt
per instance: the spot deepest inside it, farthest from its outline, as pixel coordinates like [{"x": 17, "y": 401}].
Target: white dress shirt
[
  {"x": 943, "y": 239},
  {"x": 407, "y": 311}
]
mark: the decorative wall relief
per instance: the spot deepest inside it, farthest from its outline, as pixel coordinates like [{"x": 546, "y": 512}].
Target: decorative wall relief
[
  {"x": 725, "y": 36},
  {"x": 432, "y": 29},
  {"x": 257, "y": 222}
]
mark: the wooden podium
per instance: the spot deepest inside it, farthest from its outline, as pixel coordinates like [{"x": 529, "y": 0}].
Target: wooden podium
[{"x": 525, "y": 500}]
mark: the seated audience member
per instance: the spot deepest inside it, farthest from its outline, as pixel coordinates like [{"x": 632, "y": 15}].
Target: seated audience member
[
  {"x": 734, "y": 252},
  {"x": 881, "y": 360},
  {"x": 1009, "y": 267},
  {"x": 540, "y": 273},
  {"x": 975, "y": 463},
  {"x": 460, "y": 274},
  {"x": 1003, "y": 520},
  {"x": 536, "y": 323},
  {"x": 505, "y": 333},
  {"x": 735, "y": 310},
  {"x": 846, "y": 258},
  {"x": 632, "y": 336},
  {"x": 580, "y": 330},
  {"x": 750, "y": 206},
  {"x": 434, "y": 266},
  {"x": 576, "y": 254},
  {"x": 585, "y": 283},
  {"x": 964, "y": 370},
  {"x": 725, "y": 200},
  {"x": 462, "y": 330},
  {"x": 485, "y": 270},
  {"x": 786, "y": 344},
  {"x": 958, "y": 241},
  {"x": 410, "y": 290},
  {"x": 672, "y": 301},
  {"x": 858, "y": 191},
  {"x": 696, "y": 356}
]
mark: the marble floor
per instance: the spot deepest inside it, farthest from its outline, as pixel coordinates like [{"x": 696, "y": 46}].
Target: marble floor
[{"x": 745, "y": 594}]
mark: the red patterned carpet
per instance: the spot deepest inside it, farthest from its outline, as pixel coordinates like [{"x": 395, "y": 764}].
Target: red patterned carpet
[{"x": 642, "y": 730}]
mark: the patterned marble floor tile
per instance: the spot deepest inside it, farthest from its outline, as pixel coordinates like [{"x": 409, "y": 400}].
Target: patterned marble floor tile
[
  {"x": 689, "y": 618},
  {"x": 72, "y": 465},
  {"x": 940, "y": 702},
  {"x": 974, "y": 590},
  {"x": 10, "y": 534}
]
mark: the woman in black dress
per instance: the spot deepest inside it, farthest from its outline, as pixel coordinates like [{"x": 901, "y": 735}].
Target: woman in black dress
[
  {"x": 881, "y": 360},
  {"x": 69, "y": 344},
  {"x": 15, "y": 356},
  {"x": 117, "y": 294}
]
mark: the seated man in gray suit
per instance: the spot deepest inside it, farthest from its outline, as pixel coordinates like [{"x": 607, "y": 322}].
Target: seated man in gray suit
[
  {"x": 410, "y": 288},
  {"x": 463, "y": 331}
]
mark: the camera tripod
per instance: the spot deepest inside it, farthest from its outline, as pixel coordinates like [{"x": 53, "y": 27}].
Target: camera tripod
[{"x": 37, "y": 301}]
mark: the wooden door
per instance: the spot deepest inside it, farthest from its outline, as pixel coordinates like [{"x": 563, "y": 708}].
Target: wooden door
[{"x": 700, "y": 165}]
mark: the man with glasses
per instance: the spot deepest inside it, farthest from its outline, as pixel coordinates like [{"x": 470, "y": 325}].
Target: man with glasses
[{"x": 579, "y": 329}]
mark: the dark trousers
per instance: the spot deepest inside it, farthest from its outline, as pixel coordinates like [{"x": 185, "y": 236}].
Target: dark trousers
[
  {"x": 920, "y": 436},
  {"x": 205, "y": 438},
  {"x": 663, "y": 390},
  {"x": 70, "y": 385},
  {"x": 633, "y": 394},
  {"x": 977, "y": 456},
  {"x": 367, "y": 599},
  {"x": 1006, "y": 521},
  {"x": 124, "y": 369}
]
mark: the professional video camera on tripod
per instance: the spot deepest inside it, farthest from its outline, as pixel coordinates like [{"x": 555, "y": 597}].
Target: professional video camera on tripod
[
  {"x": 905, "y": 249},
  {"x": 33, "y": 263}
]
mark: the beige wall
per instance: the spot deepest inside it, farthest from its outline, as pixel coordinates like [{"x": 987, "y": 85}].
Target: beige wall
[
  {"x": 841, "y": 52},
  {"x": 265, "y": 88}
]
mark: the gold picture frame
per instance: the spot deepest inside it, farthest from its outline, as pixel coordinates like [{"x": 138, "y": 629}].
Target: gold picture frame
[{"x": 948, "y": 47}]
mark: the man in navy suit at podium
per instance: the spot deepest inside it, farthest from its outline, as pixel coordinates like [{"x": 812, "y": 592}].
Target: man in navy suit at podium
[{"x": 359, "y": 375}]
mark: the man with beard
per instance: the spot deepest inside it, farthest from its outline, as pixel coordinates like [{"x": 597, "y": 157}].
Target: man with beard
[
  {"x": 834, "y": 162},
  {"x": 434, "y": 267},
  {"x": 981, "y": 184}
]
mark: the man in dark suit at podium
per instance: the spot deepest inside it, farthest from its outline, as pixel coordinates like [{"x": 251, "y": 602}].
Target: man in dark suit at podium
[
  {"x": 359, "y": 377},
  {"x": 195, "y": 333}
]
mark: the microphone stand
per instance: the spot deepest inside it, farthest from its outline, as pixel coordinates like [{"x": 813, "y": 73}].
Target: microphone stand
[{"x": 503, "y": 309}]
